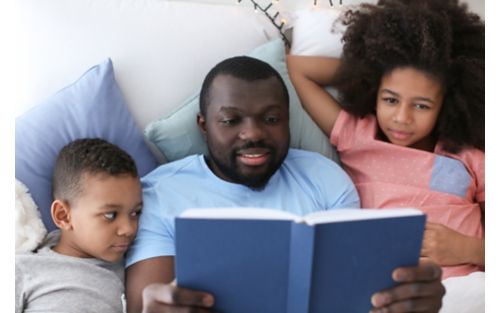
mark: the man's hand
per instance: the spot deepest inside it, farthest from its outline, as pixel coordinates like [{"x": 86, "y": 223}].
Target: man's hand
[
  {"x": 164, "y": 298},
  {"x": 420, "y": 290},
  {"x": 446, "y": 246}
]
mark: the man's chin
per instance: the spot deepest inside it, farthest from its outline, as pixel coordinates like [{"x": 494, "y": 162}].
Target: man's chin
[
  {"x": 255, "y": 185},
  {"x": 256, "y": 182}
]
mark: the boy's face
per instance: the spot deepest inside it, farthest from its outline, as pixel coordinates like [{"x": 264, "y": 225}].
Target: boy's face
[
  {"x": 104, "y": 217},
  {"x": 246, "y": 129}
]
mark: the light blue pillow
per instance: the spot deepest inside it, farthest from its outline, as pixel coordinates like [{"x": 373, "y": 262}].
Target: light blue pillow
[
  {"x": 177, "y": 135},
  {"x": 93, "y": 106}
]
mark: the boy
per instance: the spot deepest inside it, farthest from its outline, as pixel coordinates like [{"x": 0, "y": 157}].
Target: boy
[{"x": 97, "y": 202}]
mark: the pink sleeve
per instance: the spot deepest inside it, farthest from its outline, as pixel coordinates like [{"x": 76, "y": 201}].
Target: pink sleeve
[
  {"x": 341, "y": 136},
  {"x": 478, "y": 167},
  {"x": 474, "y": 161}
]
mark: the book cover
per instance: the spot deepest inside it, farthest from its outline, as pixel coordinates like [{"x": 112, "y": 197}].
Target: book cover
[{"x": 269, "y": 261}]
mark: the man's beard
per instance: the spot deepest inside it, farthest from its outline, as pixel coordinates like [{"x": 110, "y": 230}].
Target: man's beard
[{"x": 257, "y": 182}]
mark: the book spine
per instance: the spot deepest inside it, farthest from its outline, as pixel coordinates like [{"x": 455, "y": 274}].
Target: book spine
[{"x": 300, "y": 268}]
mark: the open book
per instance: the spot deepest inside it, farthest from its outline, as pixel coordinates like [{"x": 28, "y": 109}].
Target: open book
[{"x": 270, "y": 261}]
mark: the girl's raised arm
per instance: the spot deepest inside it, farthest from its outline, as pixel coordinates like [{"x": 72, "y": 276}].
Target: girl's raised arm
[{"x": 309, "y": 75}]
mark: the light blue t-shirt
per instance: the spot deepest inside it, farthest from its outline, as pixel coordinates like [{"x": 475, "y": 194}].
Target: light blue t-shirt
[{"x": 306, "y": 182}]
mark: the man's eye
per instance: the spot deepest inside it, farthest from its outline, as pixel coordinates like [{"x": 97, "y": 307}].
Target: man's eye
[
  {"x": 271, "y": 119},
  {"x": 229, "y": 121},
  {"x": 110, "y": 216}
]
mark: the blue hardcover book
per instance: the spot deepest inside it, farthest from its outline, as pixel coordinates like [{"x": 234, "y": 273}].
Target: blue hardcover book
[{"x": 269, "y": 261}]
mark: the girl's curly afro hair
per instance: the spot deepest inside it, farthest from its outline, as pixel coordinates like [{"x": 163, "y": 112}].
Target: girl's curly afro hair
[{"x": 440, "y": 37}]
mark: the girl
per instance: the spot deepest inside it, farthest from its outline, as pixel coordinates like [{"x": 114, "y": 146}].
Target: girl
[{"x": 409, "y": 124}]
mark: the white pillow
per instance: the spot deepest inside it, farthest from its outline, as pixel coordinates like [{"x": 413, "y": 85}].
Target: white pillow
[
  {"x": 317, "y": 32},
  {"x": 30, "y": 230}
]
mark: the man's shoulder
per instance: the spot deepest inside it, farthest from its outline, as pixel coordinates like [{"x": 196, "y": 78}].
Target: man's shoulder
[
  {"x": 312, "y": 164},
  {"x": 308, "y": 158},
  {"x": 191, "y": 162}
]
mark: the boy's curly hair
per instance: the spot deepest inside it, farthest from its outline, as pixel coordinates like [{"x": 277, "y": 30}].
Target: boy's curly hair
[
  {"x": 88, "y": 156},
  {"x": 440, "y": 37}
]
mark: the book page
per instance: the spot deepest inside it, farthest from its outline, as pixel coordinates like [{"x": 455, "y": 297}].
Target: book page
[
  {"x": 239, "y": 213},
  {"x": 342, "y": 215}
]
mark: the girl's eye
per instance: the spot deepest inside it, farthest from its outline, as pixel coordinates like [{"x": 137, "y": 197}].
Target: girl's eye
[
  {"x": 390, "y": 100},
  {"x": 422, "y": 106},
  {"x": 110, "y": 216}
]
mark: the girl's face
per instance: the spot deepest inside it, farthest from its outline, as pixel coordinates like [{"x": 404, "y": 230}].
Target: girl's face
[{"x": 408, "y": 105}]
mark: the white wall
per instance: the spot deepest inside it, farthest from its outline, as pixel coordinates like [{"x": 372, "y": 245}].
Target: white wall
[{"x": 476, "y": 6}]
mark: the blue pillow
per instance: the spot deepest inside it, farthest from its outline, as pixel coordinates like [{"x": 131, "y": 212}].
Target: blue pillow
[
  {"x": 177, "y": 135},
  {"x": 93, "y": 107}
]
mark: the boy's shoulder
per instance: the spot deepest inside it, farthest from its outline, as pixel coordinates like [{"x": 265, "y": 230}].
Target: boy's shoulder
[{"x": 44, "y": 248}]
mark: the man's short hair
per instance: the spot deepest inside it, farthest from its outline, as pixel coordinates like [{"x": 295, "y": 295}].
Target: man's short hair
[
  {"x": 88, "y": 156},
  {"x": 242, "y": 67}
]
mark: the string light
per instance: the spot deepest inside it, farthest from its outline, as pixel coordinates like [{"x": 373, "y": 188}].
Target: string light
[
  {"x": 315, "y": 3},
  {"x": 265, "y": 11},
  {"x": 283, "y": 22}
]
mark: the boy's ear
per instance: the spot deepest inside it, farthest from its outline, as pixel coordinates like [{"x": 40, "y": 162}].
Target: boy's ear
[{"x": 61, "y": 214}]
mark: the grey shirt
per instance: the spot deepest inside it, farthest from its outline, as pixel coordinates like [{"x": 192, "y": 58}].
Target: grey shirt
[{"x": 47, "y": 281}]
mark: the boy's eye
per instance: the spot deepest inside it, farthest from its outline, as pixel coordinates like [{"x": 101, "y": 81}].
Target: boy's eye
[
  {"x": 136, "y": 213},
  {"x": 110, "y": 216}
]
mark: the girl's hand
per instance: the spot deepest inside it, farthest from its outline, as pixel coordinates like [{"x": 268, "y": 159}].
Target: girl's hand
[{"x": 448, "y": 247}]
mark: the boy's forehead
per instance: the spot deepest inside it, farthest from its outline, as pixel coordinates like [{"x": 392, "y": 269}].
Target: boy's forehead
[
  {"x": 90, "y": 179},
  {"x": 108, "y": 188}
]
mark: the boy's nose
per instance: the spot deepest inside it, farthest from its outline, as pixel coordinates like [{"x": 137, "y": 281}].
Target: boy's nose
[{"x": 127, "y": 228}]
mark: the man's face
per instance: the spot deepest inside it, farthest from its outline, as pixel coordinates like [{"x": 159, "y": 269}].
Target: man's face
[{"x": 246, "y": 129}]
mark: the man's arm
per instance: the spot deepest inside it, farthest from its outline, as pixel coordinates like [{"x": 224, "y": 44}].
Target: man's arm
[
  {"x": 420, "y": 290},
  {"x": 149, "y": 288},
  {"x": 143, "y": 273}
]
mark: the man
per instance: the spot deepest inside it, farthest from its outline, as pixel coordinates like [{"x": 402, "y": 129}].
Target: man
[{"x": 244, "y": 119}]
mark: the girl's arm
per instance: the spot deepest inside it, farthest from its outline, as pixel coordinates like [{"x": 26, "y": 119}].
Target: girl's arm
[{"x": 309, "y": 75}]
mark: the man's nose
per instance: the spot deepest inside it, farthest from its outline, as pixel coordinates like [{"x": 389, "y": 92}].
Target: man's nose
[{"x": 251, "y": 130}]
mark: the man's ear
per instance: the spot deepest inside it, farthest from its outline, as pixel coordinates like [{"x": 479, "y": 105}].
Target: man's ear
[
  {"x": 202, "y": 125},
  {"x": 61, "y": 214}
]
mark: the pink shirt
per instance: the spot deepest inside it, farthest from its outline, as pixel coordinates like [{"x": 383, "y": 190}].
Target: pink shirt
[{"x": 447, "y": 187}]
